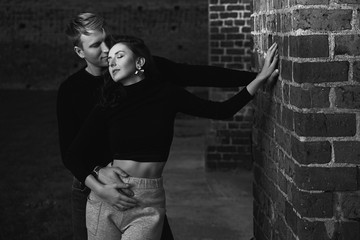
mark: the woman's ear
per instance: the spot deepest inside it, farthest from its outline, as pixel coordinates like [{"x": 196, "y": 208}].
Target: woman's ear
[{"x": 140, "y": 62}]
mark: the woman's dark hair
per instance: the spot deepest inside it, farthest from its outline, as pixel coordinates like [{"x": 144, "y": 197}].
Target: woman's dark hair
[{"x": 113, "y": 92}]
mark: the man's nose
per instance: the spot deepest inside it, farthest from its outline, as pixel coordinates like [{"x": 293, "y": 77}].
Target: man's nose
[{"x": 104, "y": 48}]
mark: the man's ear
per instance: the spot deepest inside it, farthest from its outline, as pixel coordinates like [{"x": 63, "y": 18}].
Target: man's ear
[
  {"x": 140, "y": 62},
  {"x": 79, "y": 51}
]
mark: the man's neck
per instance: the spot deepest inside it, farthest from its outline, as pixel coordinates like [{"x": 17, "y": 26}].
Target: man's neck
[{"x": 95, "y": 71}]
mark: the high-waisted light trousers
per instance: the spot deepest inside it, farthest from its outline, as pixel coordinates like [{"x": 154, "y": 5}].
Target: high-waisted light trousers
[{"x": 144, "y": 222}]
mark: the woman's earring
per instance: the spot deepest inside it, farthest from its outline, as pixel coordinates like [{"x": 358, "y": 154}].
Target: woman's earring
[{"x": 138, "y": 71}]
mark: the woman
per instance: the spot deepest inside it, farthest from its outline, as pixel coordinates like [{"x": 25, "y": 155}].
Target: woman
[{"x": 137, "y": 105}]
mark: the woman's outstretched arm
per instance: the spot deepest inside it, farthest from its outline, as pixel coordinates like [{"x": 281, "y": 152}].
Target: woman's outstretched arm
[
  {"x": 190, "y": 104},
  {"x": 185, "y": 75}
]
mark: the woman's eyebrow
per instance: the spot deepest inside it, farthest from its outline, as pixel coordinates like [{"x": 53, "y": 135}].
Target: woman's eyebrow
[{"x": 116, "y": 53}]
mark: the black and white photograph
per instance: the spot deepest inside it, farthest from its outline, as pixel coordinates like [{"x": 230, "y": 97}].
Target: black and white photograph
[{"x": 180, "y": 120}]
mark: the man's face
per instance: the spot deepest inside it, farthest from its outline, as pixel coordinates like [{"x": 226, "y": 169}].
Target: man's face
[{"x": 94, "y": 49}]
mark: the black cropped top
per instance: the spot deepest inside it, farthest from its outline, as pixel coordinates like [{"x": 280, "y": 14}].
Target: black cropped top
[{"x": 141, "y": 127}]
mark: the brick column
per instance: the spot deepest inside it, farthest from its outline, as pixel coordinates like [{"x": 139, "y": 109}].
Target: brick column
[
  {"x": 307, "y": 128},
  {"x": 230, "y": 46}
]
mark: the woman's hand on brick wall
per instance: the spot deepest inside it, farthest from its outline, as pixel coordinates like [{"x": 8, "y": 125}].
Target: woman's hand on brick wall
[
  {"x": 269, "y": 67},
  {"x": 268, "y": 71}
]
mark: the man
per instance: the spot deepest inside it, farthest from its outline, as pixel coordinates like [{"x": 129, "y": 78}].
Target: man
[{"x": 79, "y": 93}]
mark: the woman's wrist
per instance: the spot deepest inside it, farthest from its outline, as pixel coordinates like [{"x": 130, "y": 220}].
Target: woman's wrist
[
  {"x": 260, "y": 78},
  {"x": 254, "y": 85}
]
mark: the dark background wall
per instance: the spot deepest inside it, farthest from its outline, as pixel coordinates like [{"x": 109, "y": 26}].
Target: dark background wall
[
  {"x": 35, "y": 53},
  {"x": 229, "y": 142}
]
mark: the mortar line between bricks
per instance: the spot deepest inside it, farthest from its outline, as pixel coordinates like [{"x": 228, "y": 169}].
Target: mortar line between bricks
[
  {"x": 330, "y": 164},
  {"x": 358, "y": 126},
  {"x": 257, "y": 224},
  {"x": 277, "y": 187},
  {"x": 351, "y": 73},
  {"x": 332, "y": 153},
  {"x": 285, "y": 196},
  {"x": 289, "y": 180},
  {"x": 281, "y": 215},
  {"x": 337, "y": 58},
  {"x": 356, "y": 16},
  {"x": 354, "y": 20},
  {"x": 295, "y": 236},
  {"x": 332, "y": 55},
  {"x": 335, "y": 6},
  {"x": 327, "y": 84},
  {"x": 320, "y": 219},
  {"x": 332, "y": 97},
  {"x": 301, "y": 32},
  {"x": 333, "y": 111},
  {"x": 313, "y": 138}
]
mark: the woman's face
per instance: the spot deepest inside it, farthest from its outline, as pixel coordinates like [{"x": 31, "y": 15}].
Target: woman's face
[{"x": 122, "y": 63}]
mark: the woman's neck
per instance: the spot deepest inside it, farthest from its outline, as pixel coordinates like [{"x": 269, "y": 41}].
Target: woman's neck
[{"x": 133, "y": 80}]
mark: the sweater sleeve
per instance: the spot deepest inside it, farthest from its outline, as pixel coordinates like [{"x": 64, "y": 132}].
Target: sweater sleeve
[
  {"x": 201, "y": 75},
  {"x": 81, "y": 157},
  {"x": 190, "y": 104}
]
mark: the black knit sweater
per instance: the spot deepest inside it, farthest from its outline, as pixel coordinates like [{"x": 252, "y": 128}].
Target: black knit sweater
[{"x": 79, "y": 94}]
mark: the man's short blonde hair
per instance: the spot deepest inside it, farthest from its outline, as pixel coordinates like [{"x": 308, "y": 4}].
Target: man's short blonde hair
[{"x": 83, "y": 23}]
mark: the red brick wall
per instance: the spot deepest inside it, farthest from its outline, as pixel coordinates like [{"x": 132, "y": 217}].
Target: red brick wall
[
  {"x": 307, "y": 129},
  {"x": 35, "y": 53},
  {"x": 229, "y": 143}
]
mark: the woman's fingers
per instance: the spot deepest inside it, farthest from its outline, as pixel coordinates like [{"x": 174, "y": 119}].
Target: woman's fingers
[
  {"x": 273, "y": 75},
  {"x": 275, "y": 59},
  {"x": 120, "y": 172},
  {"x": 128, "y": 192},
  {"x": 121, "y": 208},
  {"x": 120, "y": 196},
  {"x": 125, "y": 199},
  {"x": 123, "y": 205},
  {"x": 270, "y": 55},
  {"x": 273, "y": 46},
  {"x": 272, "y": 51}
]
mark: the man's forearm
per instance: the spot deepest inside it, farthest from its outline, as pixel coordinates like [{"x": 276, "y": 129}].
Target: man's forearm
[{"x": 94, "y": 184}]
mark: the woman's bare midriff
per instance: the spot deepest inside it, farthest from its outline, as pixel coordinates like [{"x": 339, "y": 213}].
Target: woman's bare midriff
[{"x": 140, "y": 169}]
